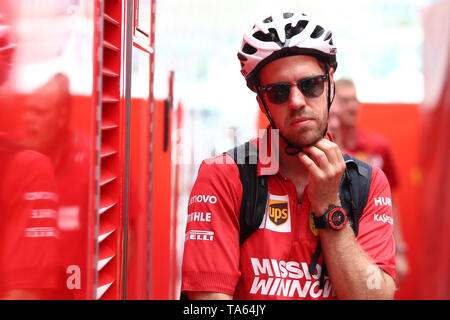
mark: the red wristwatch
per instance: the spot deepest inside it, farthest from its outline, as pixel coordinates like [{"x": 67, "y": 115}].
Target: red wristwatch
[{"x": 334, "y": 218}]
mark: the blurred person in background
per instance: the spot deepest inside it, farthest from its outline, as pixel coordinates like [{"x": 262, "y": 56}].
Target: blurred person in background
[
  {"x": 370, "y": 148},
  {"x": 47, "y": 129},
  {"x": 29, "y": 235},
  {"x": 29, "y": 256},
  {"x": 288, "y": 59},
  {"x": 334, "y": 124}
]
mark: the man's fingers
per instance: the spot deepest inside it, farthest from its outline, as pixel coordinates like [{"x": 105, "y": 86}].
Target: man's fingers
[
  {"x": 330, "y": 149},
  {"x": 319, "y": 157},
  {"x": 327, "y": 159},
  {"x": 309, "y": 164}
]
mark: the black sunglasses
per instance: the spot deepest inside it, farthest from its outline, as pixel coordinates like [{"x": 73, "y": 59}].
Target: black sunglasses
[{"x": 279, "y": 92}]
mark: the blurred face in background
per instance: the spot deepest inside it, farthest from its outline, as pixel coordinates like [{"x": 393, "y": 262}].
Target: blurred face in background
[
  {"x": 46, "y": 116},
  {"x": 347, "y": 104},
  {"x": 334, "y": 123}
]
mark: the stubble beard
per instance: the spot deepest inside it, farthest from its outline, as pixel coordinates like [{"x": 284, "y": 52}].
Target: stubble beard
[{"x": 305, "y": 137}]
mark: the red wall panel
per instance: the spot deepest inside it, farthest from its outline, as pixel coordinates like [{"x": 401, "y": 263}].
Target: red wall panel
[
  {"x": 160, "y": 208},
  {"x": 400, "y": 125}
]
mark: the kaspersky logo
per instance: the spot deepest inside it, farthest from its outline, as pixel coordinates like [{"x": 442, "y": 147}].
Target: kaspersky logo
[
  {"x": 278, "y": 212},
  {"x": 277, "y": 216}
]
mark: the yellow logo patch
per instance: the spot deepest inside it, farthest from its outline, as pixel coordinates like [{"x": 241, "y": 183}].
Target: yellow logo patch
[{"x": 312, "y": 226}]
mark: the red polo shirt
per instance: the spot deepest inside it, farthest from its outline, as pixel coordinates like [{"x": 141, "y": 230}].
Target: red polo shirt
[
  {"x": 273, "y": 262},
  {"x": 28, "y": 210},
  {"x": 374, "y": 149}
]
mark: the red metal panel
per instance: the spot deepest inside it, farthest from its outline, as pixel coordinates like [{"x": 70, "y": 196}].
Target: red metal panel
[
  {"x": 400, "y": 125},
  {"x": 161, "y": 208},
  {"x": 112, "y": 149},
  {"x": 138, "y": 202},
  {"x": 138, "y": 228},
  {"x": 434, "y": 244},
  {"x": 175, "y": 277}
]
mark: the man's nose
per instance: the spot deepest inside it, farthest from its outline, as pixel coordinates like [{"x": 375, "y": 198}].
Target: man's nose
[
  {"x": 29, "y": 116},
  {"x": 296, "y": 99}
]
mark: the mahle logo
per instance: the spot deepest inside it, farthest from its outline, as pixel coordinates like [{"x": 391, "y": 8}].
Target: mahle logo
[{"x": 278, "y": 212}]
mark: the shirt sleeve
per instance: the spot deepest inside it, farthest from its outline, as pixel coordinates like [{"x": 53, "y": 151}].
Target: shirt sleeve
[
  {"x": 211, "y": 249},
  {"x": 376, "y": 225}
]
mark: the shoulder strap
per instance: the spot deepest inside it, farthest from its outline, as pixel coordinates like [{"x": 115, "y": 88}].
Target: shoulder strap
[
  {"x": 353, "y": 193},
  {"x": 354, "y": 188},
  {"x": 254, "y": 189}
]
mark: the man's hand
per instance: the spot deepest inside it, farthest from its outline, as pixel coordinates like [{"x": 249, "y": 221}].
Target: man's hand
[{"x": 326, "y": 166}]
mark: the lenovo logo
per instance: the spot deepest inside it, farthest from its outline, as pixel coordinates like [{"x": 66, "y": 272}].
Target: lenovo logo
[{"x": 203, "y": 198}]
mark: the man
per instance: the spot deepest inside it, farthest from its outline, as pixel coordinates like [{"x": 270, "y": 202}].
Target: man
[
  {"x": 47, "y": 130},
  {"x": 29, "y": 234},
  {"x": 28, "y": 204},
  {"x": 370, "y": 148},
  {"x": 334, "y": 123},
  {"x": 289, "y": 60}
]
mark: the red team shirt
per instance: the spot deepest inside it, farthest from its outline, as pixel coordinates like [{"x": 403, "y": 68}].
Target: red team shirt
[
  {"x": 29, "y": 234},
  {"x": 273, "y": 262},
  {"x": 374, "y": 149}
]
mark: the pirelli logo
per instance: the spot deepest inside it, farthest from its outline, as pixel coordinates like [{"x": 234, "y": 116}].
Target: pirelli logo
[
  {"x": 200, "y": 235},
  {"x": 277, "y": 214}
]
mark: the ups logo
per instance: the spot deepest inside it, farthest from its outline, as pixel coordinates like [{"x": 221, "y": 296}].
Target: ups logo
[{"x": 278, "y": 212}]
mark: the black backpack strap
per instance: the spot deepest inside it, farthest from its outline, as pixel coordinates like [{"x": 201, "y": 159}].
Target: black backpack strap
[
  {"x": 353, "y": 193},
  {"x": 354, "y": 188},
  {"x": 254, "y": 189}
]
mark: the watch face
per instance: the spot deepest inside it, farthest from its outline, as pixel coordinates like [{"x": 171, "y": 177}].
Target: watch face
[{"x": 337, "y": 218}]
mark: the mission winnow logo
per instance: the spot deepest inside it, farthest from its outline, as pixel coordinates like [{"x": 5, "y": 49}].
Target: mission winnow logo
[{"x": 290, "y": 279}]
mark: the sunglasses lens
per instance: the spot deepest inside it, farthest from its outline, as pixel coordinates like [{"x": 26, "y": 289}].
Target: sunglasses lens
[
  {"x": 278, "y": 93},
  {"x": 312, "y": 88}
]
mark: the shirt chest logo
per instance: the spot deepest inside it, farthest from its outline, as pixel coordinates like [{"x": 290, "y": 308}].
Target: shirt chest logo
[
  {"x": 277, "y": 216},
  {"x": 278, "y": 212}
]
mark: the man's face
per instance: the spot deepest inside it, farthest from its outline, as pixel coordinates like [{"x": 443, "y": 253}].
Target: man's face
[
  {"x": 334, "y": 123},
  {"x": 42, "y": 121},
  {"x": 300, "y": 119},
  {"x": 347, "y": 103}
]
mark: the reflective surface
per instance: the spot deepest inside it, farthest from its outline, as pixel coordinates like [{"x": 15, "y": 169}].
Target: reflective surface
[
  {"x": 46, "y": 152},
  {"x": 139, "y": 175}
]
